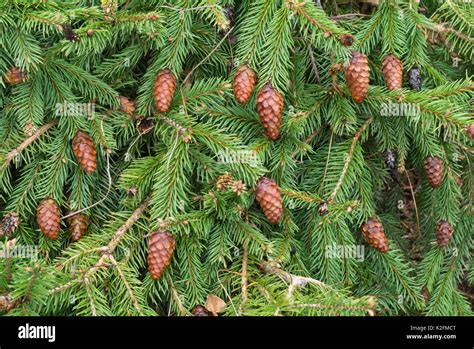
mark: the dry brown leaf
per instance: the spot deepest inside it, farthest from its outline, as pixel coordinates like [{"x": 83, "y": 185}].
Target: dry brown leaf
[{"x": 214, "y": 304}]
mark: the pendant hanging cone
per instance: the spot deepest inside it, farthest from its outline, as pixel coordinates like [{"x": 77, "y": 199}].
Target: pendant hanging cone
[
  {"x": 14, "y": 76},
  {"x": 48, "y": 218},
  {"x": 78, "y": 225},
  {"x": 444, "y": 232},
  {"x": 374, "y": 234},
  {"x": 244, "y": 82},
  {"x": 165, "y": 84},
  {"x": 434, "y": 170},
  {"x": 414, "y": 78},
  {"x": 160, "y": 252},
  {"x": 270, "y": 109},
  {"x": 84, "y": 150},
  {"x": 269, "y": 198},
  {"x": 392, "y": 70},
  {"x": 357, "y": 76}
]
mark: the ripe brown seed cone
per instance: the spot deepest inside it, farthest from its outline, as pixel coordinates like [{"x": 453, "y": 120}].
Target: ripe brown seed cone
[
  {"x": 357, "y": 76},
  {"x": 14, "y": 76},
  {"x": 444, "y": 232},
  {"x": 200, "y": 310},
  {"x": 160, "y": 252},
  {"x": 48, "y": 217},
  {"x": 84, "y": 150},
  {"x": 392, "y": 70},
  {"x": 244, "y": 82},
  {"x": 374, "y": 234},
  {"x": 270, "y": 109},
  {"x": 78, "y": 225},
  {"x": 269, "y": 198},
  {"x": 470, "y": 131},
  {"x": 434, "y": 170},
  {"x": 165, "y": 84}
]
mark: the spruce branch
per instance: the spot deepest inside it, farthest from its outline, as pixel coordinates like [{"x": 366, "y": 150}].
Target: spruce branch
[
  {"x": 355, "y": 139},
  {"x": 244, "y": 279},
  {"x": 314, "y": 67},
  {"x": 106, "y": 251},
  {"x": 17, "y": 151},
  {"x": 89, "y": 295},
  {"x": 119, "y": 234},
  {"x": 369, "y": 310},
  {"x": 348, "y": 16},
  {"x": 182, "y": 131},
  {"x": 414, "y": 201},
  {"x": 207, "y": 57},
  {"x": 127, "y": 285},
  {"x": 293, "y": 281},
  {"x": 444, "y": 28}
]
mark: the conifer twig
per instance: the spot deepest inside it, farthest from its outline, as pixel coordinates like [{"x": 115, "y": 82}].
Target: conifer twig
[
  {"x": 106, "y": 250},
  {"x": 314, "y": 67},
  {"x": 294, "y": 281},
  {"x": 244, "y": 278},
  {"x": 414, "y": 202},
  {"x": 207, "y": 57},
  {"x": 127, "y": 286},
  {"x": 349, "y": 159},
  {"x": 109, "y": 188},
  {"x": 307, "y": 140},
  {"x": 327, "y": 306},
  {"x": 15, "y": 152},
  {"x": 348, "y": 16},
  {"x": 91, "y": 300}
]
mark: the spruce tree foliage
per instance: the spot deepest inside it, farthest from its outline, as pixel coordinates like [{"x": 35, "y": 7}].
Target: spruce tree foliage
[{"x": 331, "y": 156}]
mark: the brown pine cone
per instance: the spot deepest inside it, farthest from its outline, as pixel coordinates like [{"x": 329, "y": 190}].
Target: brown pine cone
[
  {"x": 434, "y": 170},
  {"x": 470, "y": 131},
  {"x": 165, "y": 84},
  {"x": 127, "y": 105},
  {"x": 14, "y": 76},
  {"x": 84, "y": 150},
  {"x": 9, "y": 224},
  {"x": 374, "y": 234},
  {"x": 270, "y": 109},
  {"x": 244, "y": 82},
  {"x": 392, "y": 70},
  {"x": 357, "y": 76},
  {"x": 78, "y": 225},
  {"x": 200, "y": 310},
  {"x": 160, "y": 252},
  {"x": 48, "y": 218},
  {"x": 269, "y": 198},
  {"x": 444, "y": 232}
]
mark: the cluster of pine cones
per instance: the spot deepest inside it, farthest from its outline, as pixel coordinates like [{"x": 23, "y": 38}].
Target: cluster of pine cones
[
  {"x": 358, "y": 75},
  {"x": 270, "y": 109},
  {"x": 48, "y": 213},
  {"x": 269, "y": 100}
]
